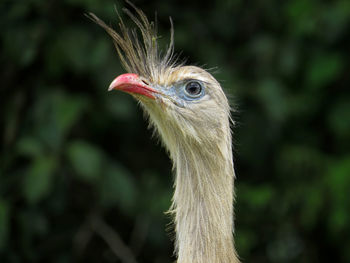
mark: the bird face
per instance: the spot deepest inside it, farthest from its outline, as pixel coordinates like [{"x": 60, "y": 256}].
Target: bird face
[
  {"x": 185, "y": 103},
  {"x": 182, "y": 101},
  {"x": 182, "y": 87}
]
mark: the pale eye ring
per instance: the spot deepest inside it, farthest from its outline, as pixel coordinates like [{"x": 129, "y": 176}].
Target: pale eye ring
[{"x": 193, "y": 89}]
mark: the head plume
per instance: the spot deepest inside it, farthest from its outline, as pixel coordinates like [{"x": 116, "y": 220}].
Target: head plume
[{"x": 142, "y": 57}]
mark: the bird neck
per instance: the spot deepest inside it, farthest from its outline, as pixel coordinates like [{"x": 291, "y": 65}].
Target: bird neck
[{"x": 203, "y": 203}]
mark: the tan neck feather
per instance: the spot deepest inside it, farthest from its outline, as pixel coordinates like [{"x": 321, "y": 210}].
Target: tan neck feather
[
  {"x": 204, "y": 182},
  {"x": 203, "y": 204}
]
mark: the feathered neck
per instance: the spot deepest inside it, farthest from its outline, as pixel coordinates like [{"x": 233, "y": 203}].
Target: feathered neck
[{"x": 203, "y": 202}]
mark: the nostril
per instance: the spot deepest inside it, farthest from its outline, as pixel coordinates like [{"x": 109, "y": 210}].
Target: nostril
[{"x": 145, "y": 81}]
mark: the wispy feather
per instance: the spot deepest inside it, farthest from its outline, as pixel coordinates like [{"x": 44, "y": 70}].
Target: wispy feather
[{"x": 141, "y": 57}]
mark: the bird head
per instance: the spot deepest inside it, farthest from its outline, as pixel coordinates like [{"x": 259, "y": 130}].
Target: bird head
[{"x": 181, "y": 101}]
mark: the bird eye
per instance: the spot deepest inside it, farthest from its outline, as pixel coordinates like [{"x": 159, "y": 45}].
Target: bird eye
[{"x": 193, "y": 89}]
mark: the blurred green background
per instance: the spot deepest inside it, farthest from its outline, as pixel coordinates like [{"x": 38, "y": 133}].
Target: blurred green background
[{"x": 81, "y": 180}]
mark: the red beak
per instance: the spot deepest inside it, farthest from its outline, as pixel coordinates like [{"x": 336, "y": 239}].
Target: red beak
[{"x": 132, "y": 83}]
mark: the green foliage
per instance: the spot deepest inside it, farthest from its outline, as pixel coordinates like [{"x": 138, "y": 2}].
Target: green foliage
[
  {"x": 117, "y": 188},
  {"x": 71, "y": 151},
  {"x": 323, "y": 69},
  {"x": 38, "y": 182},
  {"x": 86, "y": 160},
  {"x": 338, "y": 180}
]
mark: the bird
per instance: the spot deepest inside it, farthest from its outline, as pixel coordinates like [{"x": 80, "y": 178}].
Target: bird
[{"x": 190, "y": 112}]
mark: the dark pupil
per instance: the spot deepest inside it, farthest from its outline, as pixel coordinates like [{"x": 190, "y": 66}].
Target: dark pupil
[{"x": 193, "y": 88}]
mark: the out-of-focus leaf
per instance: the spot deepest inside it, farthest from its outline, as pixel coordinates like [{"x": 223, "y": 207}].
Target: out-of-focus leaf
[
  {"x": 156, "y": 196},
  {"x": 335, "y": 20},
  {"x": 300, "y": 161},
  {"x": 86, "y": 160},
  {"x": 22, "y": 43},
  {"x": 285, "y": 247},
  {"x": 33, "y": 225},
  {"x": 303, "y": 16},
  {"x": 272, "y": 95},
  {"x": 323, "y": 68},
  {"x": 38, "y": 181},
  {"x": 264, "y": 49},
  {"x": 56, "y": 113},
  {"x": 29, "y": 146},
  {"x": 76, "y": 46},
  {"x": 37, "y": 220},
  {"x": 122, "y": 107},
  {"x": 257, "y": 197},
  {"x": 338, "y": 180},
  {"x": 117, "y": 187},
  {"x": 4, "y": 223},
  {"x": 68, "y": 110},
  {"x": 338, "y": 118},
  {"x": 245, "y": 240},
  {"x": 312, "y": 205},
  {"x": 289, "y": 59}
]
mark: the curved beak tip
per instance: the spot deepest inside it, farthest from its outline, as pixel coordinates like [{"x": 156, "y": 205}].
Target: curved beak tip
[
  {"x": 121, "y": 79},
  {"x": 111, "y": 86}
]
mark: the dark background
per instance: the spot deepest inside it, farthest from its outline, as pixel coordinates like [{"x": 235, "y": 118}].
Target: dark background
[{"x": 80, "y": 175}]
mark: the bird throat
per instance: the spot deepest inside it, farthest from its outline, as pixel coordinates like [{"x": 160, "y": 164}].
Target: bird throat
[{"x": 203, "y": 203}]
